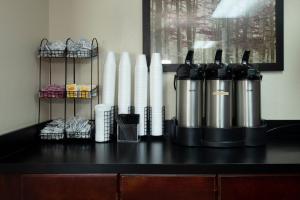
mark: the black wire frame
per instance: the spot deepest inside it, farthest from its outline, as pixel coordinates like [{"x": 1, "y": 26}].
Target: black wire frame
[
  {"x": 64, "y": 54},
  {"x": 278, "y": 66}
]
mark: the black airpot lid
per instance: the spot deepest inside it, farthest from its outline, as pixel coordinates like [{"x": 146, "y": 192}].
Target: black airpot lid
[
  {"x": 189, "y": 71},
  {"x": 245, "y": 70},
  {"x": 218, "y": 70}
]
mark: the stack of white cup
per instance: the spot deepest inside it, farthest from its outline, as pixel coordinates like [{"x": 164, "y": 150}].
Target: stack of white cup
[
  {"x": 141, "y": 91},
  {"x": 124, "y": 89},
  {"x": 102, "y": 122},
  {"x": 109, "y": 80},
  {"x": 156, "y": 95}
]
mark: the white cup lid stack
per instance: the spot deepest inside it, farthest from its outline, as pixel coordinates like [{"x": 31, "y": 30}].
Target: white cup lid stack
[
  {"x": 141, "y": 90},
  {"x": 109, "y": 80},
  {"x": 156, "y": 94},
  {"x": 124, "y": 89}
]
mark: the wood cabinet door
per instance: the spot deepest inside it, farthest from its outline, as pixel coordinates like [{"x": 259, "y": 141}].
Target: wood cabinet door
[
  {"x": 163, "y": 187},
  {"x": 262, "y": 187},
  {"x": 9, "y": 187},
  {"x": 69, "y": 187}
]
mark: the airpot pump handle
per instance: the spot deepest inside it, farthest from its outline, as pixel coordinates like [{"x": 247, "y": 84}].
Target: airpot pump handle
[
  {"x": 245, "y": 59},
  {"x": 175, "y": 85},
  {"x": 218, "y": 57},
  {"x": 189, "y": 57}
]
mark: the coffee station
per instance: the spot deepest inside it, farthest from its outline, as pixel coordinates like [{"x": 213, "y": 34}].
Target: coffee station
[{"x": 151, "y": 99}]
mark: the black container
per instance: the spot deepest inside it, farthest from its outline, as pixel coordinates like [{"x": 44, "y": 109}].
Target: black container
[{"x": 127, "y": 125}]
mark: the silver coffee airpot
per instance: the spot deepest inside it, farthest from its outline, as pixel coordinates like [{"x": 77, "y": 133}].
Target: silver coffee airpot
[
  {"x": 219, "y": 94},
  {"x": 248, "y": 94},
  {"x": 188, "y": 83}
]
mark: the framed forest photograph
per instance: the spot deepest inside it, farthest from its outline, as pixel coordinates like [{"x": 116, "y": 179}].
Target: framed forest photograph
[{"x": 172, "y": 27}]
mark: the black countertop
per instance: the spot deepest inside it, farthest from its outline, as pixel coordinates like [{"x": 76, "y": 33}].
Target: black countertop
[{"x": 154, "y": 157}]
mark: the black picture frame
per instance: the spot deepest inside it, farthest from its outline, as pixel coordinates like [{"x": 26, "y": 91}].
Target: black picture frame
[{"x": 278, "y": 66}]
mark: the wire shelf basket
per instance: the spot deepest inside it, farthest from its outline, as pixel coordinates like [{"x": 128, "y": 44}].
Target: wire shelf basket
[
  {"x": 82, "y": 94},
  {"x": 44, "y": 53},
  {"x": 86, "y": 53},
  {"x": 52, "y": 136},
  {"x": 53, "y": 131},
  {"x": 56, "y": 94},
  {"x": 81, "y": 135},
  {"x": 52, "y": 94}
]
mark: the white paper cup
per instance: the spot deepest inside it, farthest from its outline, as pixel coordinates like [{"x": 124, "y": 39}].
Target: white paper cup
[
  {"x": 109, "y": 79},
  {"x": 155, "y": 59},
  {"x": 124, "y": 89},
  {"x": 156, "y": 83},
  {"x": 157, "y": 123},
  {"x": 141, "y": 82},
  {"x": 141, "y": 61},
  {"x": 157, "y": 126},
  {"x": 102, "y": 122},
  {"x": 124, "y": 109}
]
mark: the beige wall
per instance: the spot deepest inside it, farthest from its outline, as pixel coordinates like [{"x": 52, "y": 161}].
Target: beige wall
[
  {"x": 22, "y": 24},
  {"x": 281, "y": 90},
  {"x": 118, "y": 25}
]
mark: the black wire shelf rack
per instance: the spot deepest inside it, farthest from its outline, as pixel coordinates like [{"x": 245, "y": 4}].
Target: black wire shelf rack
[{"x": 70, "y": 56}]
